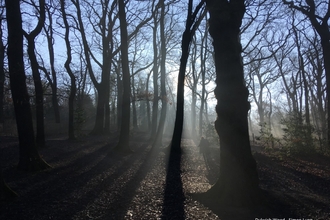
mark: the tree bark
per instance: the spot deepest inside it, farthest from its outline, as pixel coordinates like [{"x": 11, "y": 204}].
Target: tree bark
[
  {"x": 163, "y": 95},
  {"x": 190, "y": 29},
  {"x": 40, "y": 138},
  {"x": 73, "y": 88},
  {"x": 2, "y": 75},
  {"x": 53, "y": 80},
  {"x": 123, "y": 144},
  {"x": 154, "y": 120},
  {"x": 29, "y": 158},
  {"x": 238, "y": 180}
]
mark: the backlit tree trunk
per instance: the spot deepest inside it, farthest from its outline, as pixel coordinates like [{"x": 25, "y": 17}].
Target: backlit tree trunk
[
  {"x": 123, "y": 144},
  {"x": 2, "y": 75},
  {"x": 29, "y": 158},
  {"x": 73, "y": 88},
  {"x": 238, "y": 180},
  {"x": 163, "y": 95},
  {"x": 39, "y": 96}
]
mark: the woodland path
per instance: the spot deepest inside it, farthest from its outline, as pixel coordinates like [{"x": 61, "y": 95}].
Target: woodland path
[{"x": 88, "y": 180}]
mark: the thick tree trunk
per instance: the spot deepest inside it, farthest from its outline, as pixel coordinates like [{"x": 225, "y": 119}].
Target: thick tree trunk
[
  {"x": 326, "y": 57},
  {"x": 29, "y": 158},
  {"x": 123, "y": 144},
  {"x": 238, "y": 181}
]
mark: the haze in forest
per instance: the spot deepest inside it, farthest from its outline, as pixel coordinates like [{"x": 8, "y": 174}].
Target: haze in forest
[{"x": 238, "y": 74}]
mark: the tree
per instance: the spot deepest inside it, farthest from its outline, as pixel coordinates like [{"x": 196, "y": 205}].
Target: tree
[
  {"x": 318, "y": 15},
  {"x": 40, "y": 138},
  {"x": 52, "y": 75},
  {"x": 191, "y": 25},
  {"x": 163, "y": 95},
  {"x": 155, "y": 77},
  {"x": 123, "y": 144},
  {"x": 238, "y": 182},
  {"x": 73, "y": 88},
  {"x": 2, "y": 70},
  {"x": 29, "y": 158}
]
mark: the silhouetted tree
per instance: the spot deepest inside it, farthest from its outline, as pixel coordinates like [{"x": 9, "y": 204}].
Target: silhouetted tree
[
  {"x": 238, "y": 182},
  {"x": 73, "y": 88},
  {"x": 318, "y": 15},
  {"x": 191, "y": 26},
  {"x": 160, "y": 130},
  {"x": 123, "y": 144},
  {"x": 40, "y": 138},
  {"x": 154, "y": 120},
  {"x": 29, "y": 158},
  {"x": 52, "y": 75},
  {"x": 2, "y": 70}
]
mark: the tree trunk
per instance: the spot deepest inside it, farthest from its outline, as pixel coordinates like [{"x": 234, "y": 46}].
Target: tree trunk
[
  {"x": 2, "y": 76},
  {"x": 160, "y": 130},
  {"x": 238, "y": 181},
  {"x": 123, "y": 144},
  {"x": 203, "y": 72},
  {"x": 189, "y": 32},
  {"x": 154, "y": 120},
  {"x": 53, "y": 82},
  {"x": 119, "y": 98},
  {"x": 40, "y": 138},
  {"x": 73, "y": 88},
  {"x": 29, "y": 158}
]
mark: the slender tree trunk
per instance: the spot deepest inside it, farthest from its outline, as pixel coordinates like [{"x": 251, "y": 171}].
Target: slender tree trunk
[
  {"x": 119, "y": 99},
  {"x": 163, "y": 95},
  {"x": 203, "y": 71},
  {"x": 2, "y": 76},
  {"x": 155, "y": 82},
  {"x": 189, "y": 32},
  {"x": 238, "y": 181},
  {"x": 73, "y": 87},
  {"x": 53, "y": 83},
  {"x": 148, "y": 103},
  {"x": 29, "y": 158},
  {"x": 135, "y": 121},
  {"x": 40, "y": 138},
  {"x": 123, "y": 144}
]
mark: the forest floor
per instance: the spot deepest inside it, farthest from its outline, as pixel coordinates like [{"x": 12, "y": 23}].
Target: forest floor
[{"x": 89, "y": 180}]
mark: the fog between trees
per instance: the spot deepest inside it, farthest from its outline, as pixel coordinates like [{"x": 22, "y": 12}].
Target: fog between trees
[{"x": 105, "y": 67}]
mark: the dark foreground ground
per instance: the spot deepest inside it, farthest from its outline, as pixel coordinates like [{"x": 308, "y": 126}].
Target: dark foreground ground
[{"x": 88, "y": 180}]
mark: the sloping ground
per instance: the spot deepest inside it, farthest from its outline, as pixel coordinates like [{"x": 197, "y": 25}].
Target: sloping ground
[
  {"x": 89, "y": 180},
  {"x": 303, "y": 183}
]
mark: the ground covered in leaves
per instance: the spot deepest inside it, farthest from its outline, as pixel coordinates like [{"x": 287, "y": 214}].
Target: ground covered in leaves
[{"x": 89, "y": 180}]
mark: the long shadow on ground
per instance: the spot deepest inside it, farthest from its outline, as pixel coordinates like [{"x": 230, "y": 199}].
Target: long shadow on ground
[
  {"x": 173, "y": 207},
  {"x": 65, "y": 191}
]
